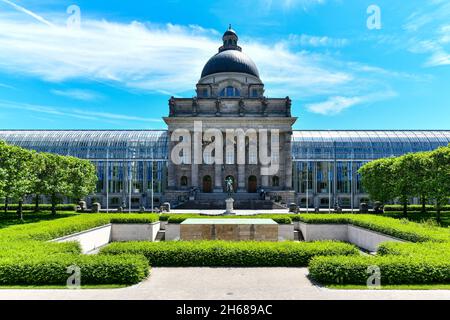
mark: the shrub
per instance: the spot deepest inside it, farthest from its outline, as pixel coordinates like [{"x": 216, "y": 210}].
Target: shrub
[
  {"x": 164, "y": 217},
  {"x": 49, "y": 230},
  {"x": 394, "y": 269},
  {"x": 52, "y": 270},
  {"x": 223, "y": 253},
  {"x": 402, "y": 229},
  {"x": 135, "y": 219}
]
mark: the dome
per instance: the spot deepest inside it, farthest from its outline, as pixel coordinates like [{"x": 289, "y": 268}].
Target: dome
[{"x": 230, "y": 59}]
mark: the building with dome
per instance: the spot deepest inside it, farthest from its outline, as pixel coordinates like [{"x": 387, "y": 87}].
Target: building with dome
[{"x": 224, "y": 133}]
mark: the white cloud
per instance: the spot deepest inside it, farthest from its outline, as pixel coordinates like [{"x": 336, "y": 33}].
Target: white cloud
[
  {"x": 74, "y": 113},
  {"x": 165, "y": 58},
  {"x": 83, "y": 95},
  {"x": 317, "y": 41},
  {"x": 429, "y": 32},
  {"x": 337, "y": 104}
]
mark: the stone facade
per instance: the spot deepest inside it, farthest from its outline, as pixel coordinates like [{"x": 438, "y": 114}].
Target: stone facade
[{"x": 233, "y": 115}]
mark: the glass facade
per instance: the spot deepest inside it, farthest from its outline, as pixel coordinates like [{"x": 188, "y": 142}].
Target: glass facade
[
  {"x": 328, "y": 161},
  {"x": 131, "y": 164}
]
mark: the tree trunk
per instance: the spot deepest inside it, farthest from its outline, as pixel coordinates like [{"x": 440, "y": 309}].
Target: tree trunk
[
  {"x": 20, "y": 210},
  {"x": 6, "y": 204},
  {"x": 54, "y": 204},
  {"x": 424, "y": 204},
  {"x": 405, "y": 208},
  {"x": 36, "y": 203},
  {"x": 438, "y": 214}
]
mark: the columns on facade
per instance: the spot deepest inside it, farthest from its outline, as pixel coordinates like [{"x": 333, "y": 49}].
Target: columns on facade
[
  {"x": 265, "y": 181},
  {"x": 218, "y": 186},
  {"x": 288, "y": 160},
  {"x": 241, "y": 178},
  {"x": 194, "y": 175},
  {"x": 171, "y": 176}
]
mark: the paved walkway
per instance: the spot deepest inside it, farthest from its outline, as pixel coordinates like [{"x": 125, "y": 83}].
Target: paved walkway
[{"x": 224, "y": 284}]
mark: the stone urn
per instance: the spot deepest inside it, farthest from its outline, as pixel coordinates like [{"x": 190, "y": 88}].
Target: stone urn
[{"x": 96, "y": 207}]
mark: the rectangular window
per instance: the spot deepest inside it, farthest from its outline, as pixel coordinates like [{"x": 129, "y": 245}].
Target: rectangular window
[{"x": 255, "y": 93}]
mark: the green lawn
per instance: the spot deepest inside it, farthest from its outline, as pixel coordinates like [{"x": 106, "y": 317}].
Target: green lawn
[
  {"x": 10, "y": 218},
  {"x": 421, "y": 217},
  {"x": 392, "y": 287}
]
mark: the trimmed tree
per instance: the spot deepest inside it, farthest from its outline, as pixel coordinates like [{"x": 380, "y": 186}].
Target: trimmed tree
[
  {"x": 82, "y": 178},
  {"x": 17, "y": 166},
  {"x": 376, "y": 177},
  {"x": 440, "y": 178},
  {"x": 55, "y": 183}
]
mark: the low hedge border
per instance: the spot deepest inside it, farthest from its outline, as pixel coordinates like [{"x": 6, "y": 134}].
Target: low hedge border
[
  {"x": 52, "y": 270},
  {"x": 402, "y": 229},
  {"x": 393, "y": 269},
  {"x": 27, "y": 259},
  {"x": 230, "y": 254}
]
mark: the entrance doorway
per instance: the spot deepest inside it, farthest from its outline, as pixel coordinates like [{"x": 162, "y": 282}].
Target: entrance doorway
[
  {"x": 252, "y": 184},
  {"x": 207, "y": 184}
]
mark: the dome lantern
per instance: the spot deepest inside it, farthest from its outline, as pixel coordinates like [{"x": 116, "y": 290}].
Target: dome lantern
[{"x": 230, "y": 40}]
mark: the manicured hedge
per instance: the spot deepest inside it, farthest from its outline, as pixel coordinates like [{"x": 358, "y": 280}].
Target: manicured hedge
[
  {"x": 424, "y": 249},
  {"x": 402, "y": 229},
  {"x": 412, "y": 208},
  {"x": 140, "y": 219},
  {"x": 42, "y": 207},
  {"x": 52, "y": 270},
  {"x": 27, "y": 258},
  {"x": 278, "y": 218},
  {"x": 230, "y": 254},
  {"x": 393, "y": 269},
  {"x": 48, "y": 230}
]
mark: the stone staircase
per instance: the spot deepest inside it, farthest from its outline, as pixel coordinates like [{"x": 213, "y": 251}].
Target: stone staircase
[
  {"x": 161, "y": 235},
  {"x": 216, "y": 201}
]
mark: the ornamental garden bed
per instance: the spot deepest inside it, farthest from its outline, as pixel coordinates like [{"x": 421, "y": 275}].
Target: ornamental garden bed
[{"x": 27, "y": 257}]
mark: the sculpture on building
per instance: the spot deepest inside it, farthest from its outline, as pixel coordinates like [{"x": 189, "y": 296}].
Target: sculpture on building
[
  {"x": 194, "y": 106},
  {"x": 241, "y": 107},
  {"x": 172, "y": 105},
  {"x": 218, "y": 105},
  {"x": 288, "y": 106},
  {"x": 264, "y": 103}
]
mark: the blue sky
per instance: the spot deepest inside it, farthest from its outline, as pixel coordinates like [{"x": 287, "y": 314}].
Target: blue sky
[{"x": 119, "y": 68}]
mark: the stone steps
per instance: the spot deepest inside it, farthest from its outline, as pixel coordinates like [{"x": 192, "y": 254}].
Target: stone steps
[
  {"x": 161, "y": 235},
  {"x": 298, "y": 236},
  {"x": 238, "y": 204}
]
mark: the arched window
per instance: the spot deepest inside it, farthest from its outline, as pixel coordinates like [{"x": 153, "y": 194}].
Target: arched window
[
  {"x": 230, "y": 92},
  {"x": 275, "y": 181},
  {"x": 184, "y": 181}
]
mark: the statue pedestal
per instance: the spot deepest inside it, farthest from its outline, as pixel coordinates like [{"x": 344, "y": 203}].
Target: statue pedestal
[{"x": 229, "y": 205}]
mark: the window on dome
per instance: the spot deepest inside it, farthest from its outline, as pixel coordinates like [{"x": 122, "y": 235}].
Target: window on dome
[
  {"x": 255, "y": 93},
  {"x": 230, "y": 92}
]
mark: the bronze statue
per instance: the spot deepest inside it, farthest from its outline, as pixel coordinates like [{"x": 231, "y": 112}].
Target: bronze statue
[{"x": 229, "y": 184}]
